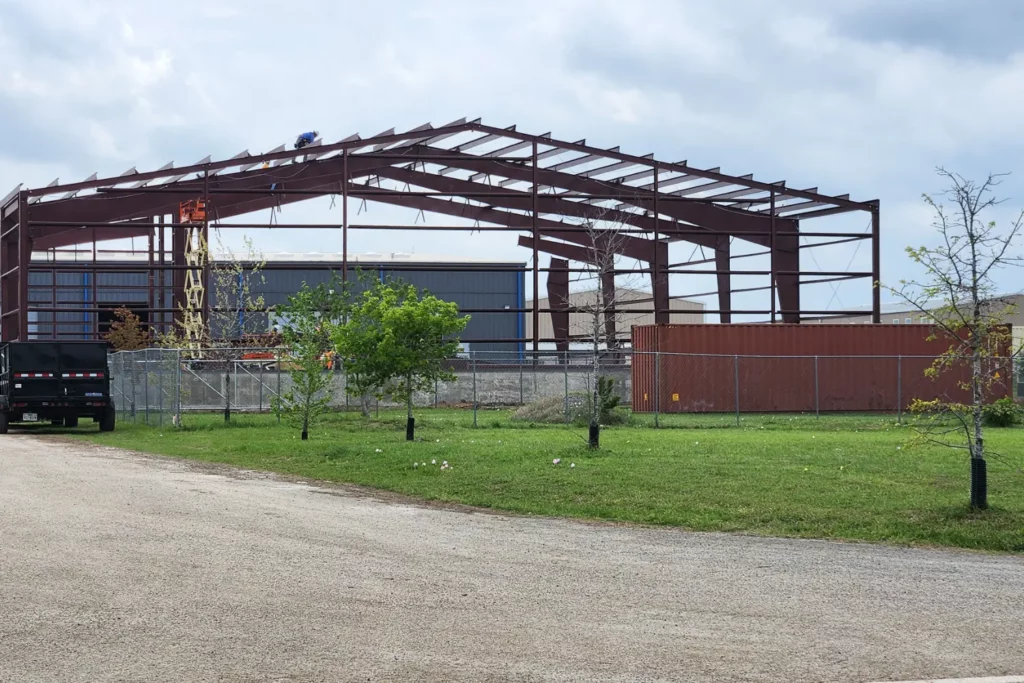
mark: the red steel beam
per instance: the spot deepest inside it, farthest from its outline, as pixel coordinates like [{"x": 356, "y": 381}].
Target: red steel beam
[
  {"x": 320, "y": 151},
  {"x": 713, "y": 218},
  {"x": 674, "y": 167}
]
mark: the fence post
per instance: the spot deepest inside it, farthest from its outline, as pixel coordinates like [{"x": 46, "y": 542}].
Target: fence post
[
  {"x": 435, "y": 394},
  {"x": 899, "y": 389},
  {"x": 817, "y": 401},
  {"x": 261, "y": 388},
  {"x": 145, "y": 381},
  {"x": 473, "y": 361},
  {"x": 160, "y": 384},
  {"x": 533, "y": 394},
  {"x": 565, "y": 402},
  {"x": 657, "y": 387},
  {"x": 520, "y": 382},
  {"x": 126, "y": 409},
  {"x": 135, "y": 396},
  {"x": 736, "y": 381},
  {"x": 279, "y": 386},
  {"x": 177, "y": 391},
  {"x": 227, "y": 396}
]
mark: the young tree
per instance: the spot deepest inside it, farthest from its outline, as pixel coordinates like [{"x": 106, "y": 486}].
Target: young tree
[
  {"x": 396, "y": 342},
  {"x": 126, "y": 332},
  {"x": 356, "y": 340},
  {"x": 308, "y": 326},
  {"x": 960, "y": 275},
  {"x": 238, "y": 314},
  {"x": 603, "y": 313},
  {"x": 237, "y": 309}
]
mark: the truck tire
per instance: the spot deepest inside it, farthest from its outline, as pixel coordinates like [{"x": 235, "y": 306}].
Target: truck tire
[
  {"x": 108, "y": 419},
  {"x": 71, "y": 422},
  {"x": 3, "y": 422}
]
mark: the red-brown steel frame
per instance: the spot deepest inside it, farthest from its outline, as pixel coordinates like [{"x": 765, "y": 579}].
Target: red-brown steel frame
[{"x": 648, "y": 203}]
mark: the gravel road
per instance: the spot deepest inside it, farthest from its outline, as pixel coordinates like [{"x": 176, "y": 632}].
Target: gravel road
[{"x": 123, "y": 567}]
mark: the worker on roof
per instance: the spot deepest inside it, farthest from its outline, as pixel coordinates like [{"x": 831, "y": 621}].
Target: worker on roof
[{"x": 306, "y": 139}]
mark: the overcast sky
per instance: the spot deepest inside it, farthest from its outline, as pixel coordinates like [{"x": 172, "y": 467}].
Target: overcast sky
[{"x": 864, "y": 97}]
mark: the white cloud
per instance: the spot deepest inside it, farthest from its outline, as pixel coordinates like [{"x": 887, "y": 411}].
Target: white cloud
[{"x": 784, "y": 90}]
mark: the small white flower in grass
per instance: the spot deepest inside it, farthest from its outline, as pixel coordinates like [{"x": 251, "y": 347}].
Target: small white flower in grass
[
  {"x": 437, "y": 441},
  {"x": 377, "y": 450},
  {"x": 571, "y": 465},
  {"x": 556, "y": 461},
  {"x": 433, "y": 462},
  {"x": 445, "y": 463},
  {"x": 415, "y": 465}
]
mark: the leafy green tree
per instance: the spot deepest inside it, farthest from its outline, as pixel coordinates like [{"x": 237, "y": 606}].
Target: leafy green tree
[
  {"x": 308, "y": 324},
  {"x": 126, "y": 332},
  {"x": 958, "y": 294},
  {"x": 395, "y": 342}
]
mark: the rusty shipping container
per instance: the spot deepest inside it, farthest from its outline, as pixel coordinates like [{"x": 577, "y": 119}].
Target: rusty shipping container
[{"x": 793, "y": 368}]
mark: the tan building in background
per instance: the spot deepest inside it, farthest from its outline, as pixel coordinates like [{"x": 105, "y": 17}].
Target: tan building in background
[
  {"x": 902, "y": 314},
  {"x": 581, "y": 325}
]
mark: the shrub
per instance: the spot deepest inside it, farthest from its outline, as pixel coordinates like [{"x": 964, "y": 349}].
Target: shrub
[
  {"x": 545, "y": 411},
  {"x": 1001, "y": 413},
  {"x": 552, "y": 410}
]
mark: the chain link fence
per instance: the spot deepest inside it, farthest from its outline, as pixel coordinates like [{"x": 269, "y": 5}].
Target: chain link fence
[
  {"x": 158, "y": 386},
  {"x": 671, "y": 383}
]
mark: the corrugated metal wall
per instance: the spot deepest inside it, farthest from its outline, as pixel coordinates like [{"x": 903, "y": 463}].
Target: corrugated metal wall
[
  {"x": 791, "y": 368},
  {"x": 469, "y": 289},
  {"x": 74, "y": 290}
]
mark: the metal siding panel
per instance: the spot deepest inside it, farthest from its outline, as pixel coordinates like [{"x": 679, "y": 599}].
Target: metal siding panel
[
  {"x": 122, "y": 279},
  {"x": 467, "y": 289},
  {"x": 777, "y": 367},
  {"x": 68, "y": 279},
  {"x": 38, "y": 278},
  {"x": 118, "y": 296}
]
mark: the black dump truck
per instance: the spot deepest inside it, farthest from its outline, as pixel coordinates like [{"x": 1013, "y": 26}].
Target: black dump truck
[{"x": 55, "y": 383}]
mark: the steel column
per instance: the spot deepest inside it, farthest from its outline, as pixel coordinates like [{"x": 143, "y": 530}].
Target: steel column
[
  {"x": 177, "y": 269},
  {"x": 772, "y": 249},
  {"x": 876, "y": 265},
  {"x": 151, "y": 275},
  {"x": 95, "y": 294},
  {"x": 344, "y": 219},
  {"x": 205, "y": 247},
  {"x": 558, "y": 301},
  {"x": 536, "y": 263},
  {"x": 723, "y": 261},
  {"x": 24, "y": 257}
]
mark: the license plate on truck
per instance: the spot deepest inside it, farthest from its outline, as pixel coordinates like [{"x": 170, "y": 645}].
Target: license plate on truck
[{"x": 29, "y": 417}]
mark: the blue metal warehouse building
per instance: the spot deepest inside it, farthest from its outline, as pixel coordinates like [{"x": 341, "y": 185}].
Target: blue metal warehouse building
[{"x": 90, "y": 290}]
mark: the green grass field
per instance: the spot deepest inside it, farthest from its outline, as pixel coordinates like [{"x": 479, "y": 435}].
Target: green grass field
[{"x": 850, "y": 477}]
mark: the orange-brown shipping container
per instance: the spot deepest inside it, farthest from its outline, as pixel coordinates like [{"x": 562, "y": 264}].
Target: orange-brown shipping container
[{"x": 794, "y": 368}]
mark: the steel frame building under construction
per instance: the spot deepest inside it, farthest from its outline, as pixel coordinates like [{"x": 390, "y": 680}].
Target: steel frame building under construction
[{"x": 497, "y": 178}]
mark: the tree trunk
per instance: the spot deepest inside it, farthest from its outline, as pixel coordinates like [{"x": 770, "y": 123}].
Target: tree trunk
[
  {"x": 594, "y": 435},
  {"x": 364, "y": 404},
  {"x": 410, "y": 423},
  {"x": 979, "y": 473}
]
